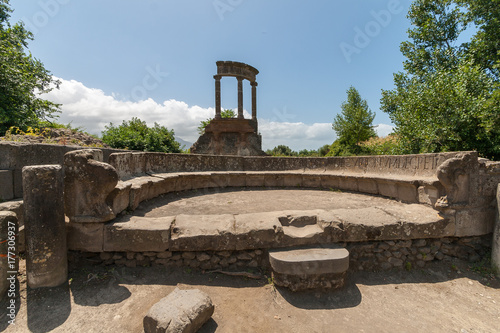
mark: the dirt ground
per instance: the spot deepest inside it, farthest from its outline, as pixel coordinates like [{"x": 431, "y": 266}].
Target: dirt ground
[{"x": 443, "y": 297}]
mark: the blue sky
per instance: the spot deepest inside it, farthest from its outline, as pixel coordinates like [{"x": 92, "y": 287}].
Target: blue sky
[{"x": 156, "y": 60}]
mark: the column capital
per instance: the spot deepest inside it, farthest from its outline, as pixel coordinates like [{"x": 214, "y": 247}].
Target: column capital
[
  {"x": 217, "y": 77},
  {"x": 254, "y": 84},
  {"x": 240, "y": 78}
]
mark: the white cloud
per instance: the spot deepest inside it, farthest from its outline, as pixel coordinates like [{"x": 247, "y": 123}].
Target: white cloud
[
  {"x": 383, "y": 129},
  {"x": 92, "y": 109}
]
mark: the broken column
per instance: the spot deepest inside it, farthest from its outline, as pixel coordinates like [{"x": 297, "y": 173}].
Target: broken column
[
  {"x": 46, "y": 260},
  {"x": 8, "y": 251}
]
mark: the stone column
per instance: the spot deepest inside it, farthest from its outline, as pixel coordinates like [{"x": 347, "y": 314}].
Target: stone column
[
  {"x": 254, "y": 100},
  {"x": 8, "y": 252},
  {"x": 240, "y": 97},
  {"x": 495, "y": 251},
  {"x": 46, "y": 260},
  {"x": 217, "y": 96}
]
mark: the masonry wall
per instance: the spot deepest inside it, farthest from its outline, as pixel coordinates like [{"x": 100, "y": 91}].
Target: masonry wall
[{"x": 16, "y": 155}]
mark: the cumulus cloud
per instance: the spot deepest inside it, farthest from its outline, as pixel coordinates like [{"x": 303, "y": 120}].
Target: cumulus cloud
[
  {"x": 92, "y": 109},
  {"x": 383, "y": 129}
]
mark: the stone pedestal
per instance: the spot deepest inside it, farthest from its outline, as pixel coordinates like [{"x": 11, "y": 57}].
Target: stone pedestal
[
  {"x": 309, "y": 267},
  {"x": 46, "y": 261}
]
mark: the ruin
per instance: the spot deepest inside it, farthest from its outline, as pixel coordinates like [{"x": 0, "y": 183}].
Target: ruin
[
  {"x": 232, "y": 136},
  {"x": 441, "y": 205}
]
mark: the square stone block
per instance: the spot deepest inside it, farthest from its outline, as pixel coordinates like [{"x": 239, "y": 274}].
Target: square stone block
[
  {"x": 366, "y": 185},
  {"x": 138, "y": 234},
  {"x": 87, "y": 237},
  {"x": 220, "y": 179},
  {"x": 6, "y": 184},
  {"x": 255, "y": 180},
  {"x": 330, "y": 181},
  {"x": 311, "y": 181},
  {"x": 237, "y": 179},
  {"x": 347, "y": 183},
  {"x": 387, "y": 188},
  {"x": 407, "y": 192},
  {"x": 274, "y": 180},
  {"x": 292, "y": 180}
]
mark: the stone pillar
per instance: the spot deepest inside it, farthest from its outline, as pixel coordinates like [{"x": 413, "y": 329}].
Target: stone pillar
[
  {"x": 8, "y": 252},
  {"x": 46, "y": 260},
  {"x": 240, "y": 97},
  {"x": 217, "y": 96},
  {"x": 495, "y": 251},
  {"x": 254, "y": 100}
]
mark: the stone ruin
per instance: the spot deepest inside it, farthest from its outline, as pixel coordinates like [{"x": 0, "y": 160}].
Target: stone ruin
[
  {"x": 438, "y": 206},
  {"x": 232, "y": 136}
]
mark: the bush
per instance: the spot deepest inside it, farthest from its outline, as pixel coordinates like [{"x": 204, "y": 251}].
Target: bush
[{"x": 136, "y": 135}]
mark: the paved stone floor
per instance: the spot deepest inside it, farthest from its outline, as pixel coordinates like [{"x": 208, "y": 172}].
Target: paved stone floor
[{"x": 254, "y": 200}]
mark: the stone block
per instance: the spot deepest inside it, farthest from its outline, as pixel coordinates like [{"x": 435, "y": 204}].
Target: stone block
[
  {"x": 202, "y": 233},
  {"x": 495, "y": 248},
  {"x": 220, "y": 179},
  {"x": 366, "y": 185},
  {"x": 86, "y": 237},
  {"x": 180, "y": 311},
  {"x": 407, "y": 192},
  {"x": 428, "y": 195},
  {"x": 311, "y": 180},
  {"x": 237, "y": 179},
  {"x": 273, "y": 180},
  {"x": 254, "y": 180},
  {"x": 474, "y": 222},
  {"x": 254, "y": 231},
  {"x": 387, "y": 188},
  {"x": 120, "y": 197},
  {"x": 87, "y": 185},
  {"x": 138, "y": 234},
  {"x": 203, "y": 180},
  {"x": 15, "y": 206},
  {"x": 292, "y": 180},
  {"x": 6, "y": 185},
  {"x": 347, "y": 183},
  {"x": 330, "y": 181},
  {"x": 46, "y": 263}
]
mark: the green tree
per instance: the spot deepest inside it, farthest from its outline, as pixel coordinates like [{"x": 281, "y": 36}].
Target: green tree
[
  {"x": 22, "y": 78},
  {"x": 355, "y": 123},
  {"x": 136, "y": 135},
  {"x": 227, "y": 113},
  {"x": 281, "y": 150},
  {"x": 448, "y": 96}
]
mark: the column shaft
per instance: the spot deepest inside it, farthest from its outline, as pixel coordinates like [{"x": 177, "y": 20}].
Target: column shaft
[
  {"x": 240, "y": 97},
  {"x": 254, "y": 100},
  {"x": 217, "y": 97}
]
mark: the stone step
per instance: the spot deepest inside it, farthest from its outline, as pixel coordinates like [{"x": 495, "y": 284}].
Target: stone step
[{"x": 309, "y": 267}]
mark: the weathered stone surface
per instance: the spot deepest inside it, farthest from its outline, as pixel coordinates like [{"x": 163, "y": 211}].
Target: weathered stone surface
[
  {"x": 260, "y": 230},
  {"x": 309, "y": 268},
  {"x": 7, "y": 185},
  {"x": 202, "y": 232},
  {"x": 495, "y": 250},
  {"x": 309, "y": 260},
  {"x": 86, "y": 237},
  {"x": 46, "y": 262},
  {"x": 87, "y": 186},
  {"x": 475, "y": 221},
  {"x": 181, "y": 311},
  {"x": 120, "y": 197},
  {"x": 454, "y": 175},
  {"x": 8, "y": 250},
  {"x": 136, "y": 234},
  {"x": 15, "y": 206}
]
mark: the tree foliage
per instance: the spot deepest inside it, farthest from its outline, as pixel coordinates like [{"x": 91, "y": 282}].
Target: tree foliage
[
  {"x": 354, "y": 124},
  {"x": 448, "y": 97},
  {"x": 227, "y": 113},
  {"x": 22, "y": 78},
  {"x": 136, "y": 135}
]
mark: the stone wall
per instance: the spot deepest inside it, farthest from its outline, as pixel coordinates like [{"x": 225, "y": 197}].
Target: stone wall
[
  {"x": 375, "y": 255},
  {"x": 16, "y": 155}
]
